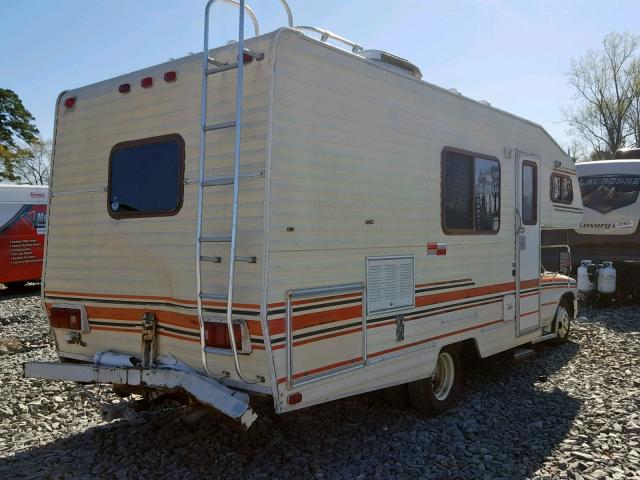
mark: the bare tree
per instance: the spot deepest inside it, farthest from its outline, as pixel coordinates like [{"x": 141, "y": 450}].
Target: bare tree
[
  {"x": 578, "y": 150},
  {"x": 32, "y": 164},
  {"x": 633, "y": 118},
  {"x": 606, "y": 86}
]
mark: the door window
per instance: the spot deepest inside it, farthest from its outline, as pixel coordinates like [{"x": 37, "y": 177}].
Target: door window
[{"x": 529, "y": 193}]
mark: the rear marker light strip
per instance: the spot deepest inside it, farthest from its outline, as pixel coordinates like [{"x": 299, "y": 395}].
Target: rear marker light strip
[
  {"x": 124, "y": 88},
  {"x": 146, "y": 82}
]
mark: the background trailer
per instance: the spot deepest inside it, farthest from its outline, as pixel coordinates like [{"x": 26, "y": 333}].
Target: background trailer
[{"x": 23, "y": 217}]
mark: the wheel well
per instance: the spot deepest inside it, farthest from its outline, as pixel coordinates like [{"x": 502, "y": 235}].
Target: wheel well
[
  {"x": 468, "y": 349},
  {"x": 569, "y": 297}
]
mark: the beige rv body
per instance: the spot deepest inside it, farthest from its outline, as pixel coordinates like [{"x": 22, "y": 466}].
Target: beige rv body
[{"x": 351, "y": 154}]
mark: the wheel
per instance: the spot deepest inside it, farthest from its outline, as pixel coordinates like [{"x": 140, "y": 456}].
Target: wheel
[
  {"x": 438, "y": 393},
  {"x": 562, "y": 322}
]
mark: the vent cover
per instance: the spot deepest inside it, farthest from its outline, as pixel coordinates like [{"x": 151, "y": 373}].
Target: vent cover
[
  {"x": 390, "y": 284},
  {"x": 392, "y": 62}
]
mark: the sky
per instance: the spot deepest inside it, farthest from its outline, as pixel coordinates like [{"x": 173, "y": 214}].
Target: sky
[{"x": 513, "y": 53}]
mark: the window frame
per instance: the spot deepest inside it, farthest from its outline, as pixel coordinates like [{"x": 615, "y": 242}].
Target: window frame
[
  {"x": 147, "y": 141},
  {"x": 465, "y": 231},
  {"x": 561, "y": 176},
  {"x": 536, "y": 192}
]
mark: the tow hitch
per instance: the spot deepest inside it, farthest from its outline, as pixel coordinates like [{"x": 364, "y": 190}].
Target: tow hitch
[{"x": 209, "y": 392}]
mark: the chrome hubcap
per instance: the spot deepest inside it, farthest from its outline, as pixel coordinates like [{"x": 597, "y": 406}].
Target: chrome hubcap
[
  {"x": 442, "y": 378},
  {"x": 562, "y": 320}
]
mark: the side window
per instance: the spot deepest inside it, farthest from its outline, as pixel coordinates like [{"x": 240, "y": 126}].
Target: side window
[
  {"x": 529, "y": 193},
  {"x": 146, "y": 177},
  {"x": 561, "y": 189},
  {"x": 470, "y": 193}
]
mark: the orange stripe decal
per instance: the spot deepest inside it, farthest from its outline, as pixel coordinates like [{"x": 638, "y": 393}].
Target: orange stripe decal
[
  {"x": 323, "y": 369},
  {"x": 300, "y": 321},
  {"x": 163, "y": 317},
  {"x": 437, "y": 337},
  {"x": 90, "y": 296},
  {"x": 179, "y": 337}
]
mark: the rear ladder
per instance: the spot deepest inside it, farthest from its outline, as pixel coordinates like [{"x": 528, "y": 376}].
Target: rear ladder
[{"x": 211, "y": 66}]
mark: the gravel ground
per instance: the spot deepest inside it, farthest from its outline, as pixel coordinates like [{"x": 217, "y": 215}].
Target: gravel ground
[{"x": 572, "y": 412}]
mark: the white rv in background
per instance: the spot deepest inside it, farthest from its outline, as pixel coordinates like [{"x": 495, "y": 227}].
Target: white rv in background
[
  {"x": 339, "y": 226},
  {"x": 609, "y": 238}
]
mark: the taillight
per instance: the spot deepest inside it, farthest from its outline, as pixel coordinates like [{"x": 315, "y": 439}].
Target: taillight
[
  {"x": 66, "y": 317},
  {"x": 146, "y": 82},
  {"x": 294, "y": 398},
  {"x": 216, "y": 335}
]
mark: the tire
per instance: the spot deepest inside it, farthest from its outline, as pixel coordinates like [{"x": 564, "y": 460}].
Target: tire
[
  {"x": 15, "y": 285},
  {"x": 562, "y": 322},
  {"x": 438, "y": 393}
]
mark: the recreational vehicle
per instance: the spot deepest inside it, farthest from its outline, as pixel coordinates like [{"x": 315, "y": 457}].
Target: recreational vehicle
[
  {"x": 606, "y": 247},
  {"x": 23, "y": 212},
  {"x": 298, "y": 217}
]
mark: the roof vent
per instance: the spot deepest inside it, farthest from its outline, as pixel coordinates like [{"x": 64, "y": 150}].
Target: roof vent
[
  {"x": 484, "y": 102},
  {"x": 627, "y": 153},
  {"x": 456, "y": 91},
  {"x": 392, "y": 62}
]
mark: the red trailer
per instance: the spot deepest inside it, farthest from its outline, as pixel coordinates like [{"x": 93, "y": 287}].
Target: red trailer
[{"x": 23, "y": 218}]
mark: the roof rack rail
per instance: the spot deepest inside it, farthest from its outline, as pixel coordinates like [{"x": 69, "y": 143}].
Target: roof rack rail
[{"x": 326, "y": 35}]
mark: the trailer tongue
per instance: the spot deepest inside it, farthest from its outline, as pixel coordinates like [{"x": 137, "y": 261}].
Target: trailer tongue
[{"x": 205, "y": 390}]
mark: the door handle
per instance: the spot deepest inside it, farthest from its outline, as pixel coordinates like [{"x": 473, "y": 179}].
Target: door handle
[{"x": 520, "y": 227}]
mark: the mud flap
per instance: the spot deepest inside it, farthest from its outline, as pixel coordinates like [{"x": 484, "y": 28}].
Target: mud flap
[{"x": 209, "y": 392}]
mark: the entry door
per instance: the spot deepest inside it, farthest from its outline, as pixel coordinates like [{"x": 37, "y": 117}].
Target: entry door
[{"x": 527, "y": 243}]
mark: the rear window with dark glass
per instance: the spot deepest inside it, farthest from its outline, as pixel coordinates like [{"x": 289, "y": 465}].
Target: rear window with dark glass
[{"x": 146, "y": 177}]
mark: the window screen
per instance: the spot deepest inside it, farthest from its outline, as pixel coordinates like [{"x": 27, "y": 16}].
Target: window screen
[
  {"x": 146, "y": 177},
  {"x": 561, "y": 189},
  {"x": 471, "y": 193},
  {"x": 529, "y": 194}
]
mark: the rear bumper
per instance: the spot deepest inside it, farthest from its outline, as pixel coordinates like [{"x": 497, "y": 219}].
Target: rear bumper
[{"x": 208, "y": 391}]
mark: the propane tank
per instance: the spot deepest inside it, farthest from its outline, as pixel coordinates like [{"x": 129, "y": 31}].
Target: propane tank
[
  {"x": 606, "y": 278},
  {"x": 584, "y": 284}
]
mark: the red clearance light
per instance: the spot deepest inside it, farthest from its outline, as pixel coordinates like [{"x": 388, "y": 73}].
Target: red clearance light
[
  {"x": 146, "y": 82},
  {"x": 65, "y": 317},
  {"x": 247, "y": 58},
  {"x": 294, "y": 398},
  {"x": 216, "y": 335},
  {"x": 124, "y": 88},
  {"x": 70, "y": 102},
  {"x": 170, "y": 76}
]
